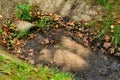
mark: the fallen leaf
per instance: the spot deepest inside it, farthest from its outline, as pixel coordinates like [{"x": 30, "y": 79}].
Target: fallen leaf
[
  {"x": 30, "y": 50},
  {"x": 118, "y": 21},
  {"x": 42, "y": 42},
  {"x": 86, "y": 23},
  {"x": 31, "y": 61},
  {"x": 57, "y": 17},
  {"x": 112, "y": 26},
  {"x": 38, "y": 13},
  {"x": 46, "y": 13},
  {"x": 117, "y": 54},
  {"x": 4, "y": 41},
  {"x": 56, "y": 26},
  {"x": 80, "y": 35},
  {"x": 31, "y": 53},
  {"x": 102, "y": 50},
  {"x": 112, "y": 50},
  {"x": 21, "y": 56},
  {"x": 71, "y": 23},
  {"x": 51, "y": 14},
  {"x": 107, "y": 38},
  {"x": 112, "y": 31},
  {"x": 1, "y": 16},
  {"x": 52, "y": 41},
  {"x": 46, "y": 41},
  {"x": 106, "y": 44},
  {"x": 118, "y": 48},
  {"x": 39, "y": 17},
  {"x": 35, "y": 69},
  {"x": 91, "y": 39},
  {"x": 18, "y": 43}
]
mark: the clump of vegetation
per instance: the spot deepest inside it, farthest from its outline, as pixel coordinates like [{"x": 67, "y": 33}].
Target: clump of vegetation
[
  {"x": 23, "y": 12},
  {"x": 44, "y": 23},
  {"x": 14, "y": 69},
  {"x": 108, "y": 28}
]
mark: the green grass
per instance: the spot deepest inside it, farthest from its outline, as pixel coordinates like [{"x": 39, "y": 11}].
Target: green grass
[
  {"x": 105, "y": 26},
  {"x": 14, "y": 69},
  {"x": 23, "y": 12},
  {"x": 44, "y": 23}
]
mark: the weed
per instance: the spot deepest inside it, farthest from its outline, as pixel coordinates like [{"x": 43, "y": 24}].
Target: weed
[
  {"x": 107, "y": 22},
  {"x": 1, "y": 58},
  {"x": 24, "y": 33},
  {"x": 1, "y": 31},
  {"x": 44, "y": 23},
  {"x": 103, "y": 1},
  {"x": 116, "y": 36},
  {"x": 23, "y": 12}
]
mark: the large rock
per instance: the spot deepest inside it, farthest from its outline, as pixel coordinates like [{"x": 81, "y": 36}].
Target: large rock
[
  {"x": 68, "y": 55},
  {"x": 69, "y": 61},
  {"x": 73, "y": 9},
  {"x": 75, "y": 47}
]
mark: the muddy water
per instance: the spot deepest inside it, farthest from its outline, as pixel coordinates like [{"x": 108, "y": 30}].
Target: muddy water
[{"x": 103, "y": 67}]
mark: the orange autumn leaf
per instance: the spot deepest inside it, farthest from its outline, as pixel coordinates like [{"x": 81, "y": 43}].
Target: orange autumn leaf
[
  {"x": 18, "y": 43},
  {"x": 30, "y": 50},
  {"x": 35, "y": 69},
  {"x": 4, "y": 41},
  {"x": 118, "y": 21},
  {"x": 80, "y": 35},
  {"x": 71, "y": 23},
  {"x": 57, "y": 17},
  {"x": 106, "y": 44},
  {"x": 107, "y": 38}
]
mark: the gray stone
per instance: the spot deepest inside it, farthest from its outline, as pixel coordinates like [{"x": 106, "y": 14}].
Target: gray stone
[
  {"x": 75, "y": 9},
  {"x": 23, "y": 25}
]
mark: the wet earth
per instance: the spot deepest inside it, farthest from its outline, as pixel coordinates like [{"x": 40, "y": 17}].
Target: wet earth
[{"x": 99, "y": 66}]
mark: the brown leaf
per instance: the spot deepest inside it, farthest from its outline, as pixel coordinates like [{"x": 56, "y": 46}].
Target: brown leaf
[
  {"x": 46, "y": 41},
  {"x": 112, "y": 50},
  {"x": 57, "y": 17},
  {"x": 21, "y": 56},
  {"x": 1, "y": 16},
  {"x": 4, "y": 41},
  {"x": 71, "y": 23},
  {"x": 46, "y": 13},
  {"x": 38, "y": 13},
  {"x": 31, "y": 61},
  {"x": 35, "y": 69},
  {"x": 31, "y": 53},
  {"x": 118, "y": 21},
  {"x": 42, "y": 42},
  {"x": 80, "y": 35},
  {"x": 107, "y": 38},
  {"x": 106, "y": 44},
  {"x": 102, "y": 50},
  {"x": 18, "y": 43},
  {"x": 119, "y": 48},
  {"x": 52, "y": 41},
  {"x": 30, "y": 50},
  {"x": 56, "y": 26},
  {"x": 91, "y": 39},
  {"x": 112, "y": 26},
  {"x": 112, "y": 31},
  {"x": 39, "y": 17}
]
